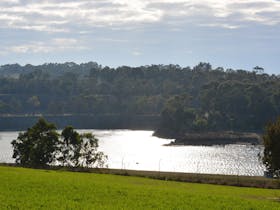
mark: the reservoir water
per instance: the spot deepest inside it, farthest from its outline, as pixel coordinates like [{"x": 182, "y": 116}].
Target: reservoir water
[{"x": 139, "y": 150}]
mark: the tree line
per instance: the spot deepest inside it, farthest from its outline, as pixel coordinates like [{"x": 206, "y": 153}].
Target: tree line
[{"x": 201, "y": 98}]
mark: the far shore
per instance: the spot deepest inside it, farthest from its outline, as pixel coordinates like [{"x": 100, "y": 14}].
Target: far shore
[{"x": 216, "y": 138}]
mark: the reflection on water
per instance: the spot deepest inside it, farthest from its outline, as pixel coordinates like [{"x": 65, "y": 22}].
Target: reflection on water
[
  {"x": 127, "y": 149},
  {"x": 6, "y": 147}
]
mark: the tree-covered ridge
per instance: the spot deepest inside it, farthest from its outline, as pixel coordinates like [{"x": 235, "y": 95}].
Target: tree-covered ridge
[{"x": 190, "y": 99}]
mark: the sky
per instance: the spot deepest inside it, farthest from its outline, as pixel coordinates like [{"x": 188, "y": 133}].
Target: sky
[{"x": 238, "y": 34}]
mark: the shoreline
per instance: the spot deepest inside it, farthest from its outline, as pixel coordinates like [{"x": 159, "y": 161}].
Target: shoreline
[
  {"x": 214, "y": 138},
  {"x": 82, "y": 121}
]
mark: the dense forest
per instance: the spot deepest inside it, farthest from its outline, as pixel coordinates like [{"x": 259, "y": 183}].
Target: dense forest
[{"x": 183, "y": 99}]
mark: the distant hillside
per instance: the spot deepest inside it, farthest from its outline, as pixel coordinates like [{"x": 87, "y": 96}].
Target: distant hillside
[
  {"x": 188, "y": 99},
  {"x": 52, "y": 69}
]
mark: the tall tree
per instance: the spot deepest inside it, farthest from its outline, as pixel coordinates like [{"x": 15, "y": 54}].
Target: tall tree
[
  {"x": 79, "y": 150},
  {"x": 36, "y": 147},
  {"x": 69, "y": 143},
  {"x": 89, "y": 154}
]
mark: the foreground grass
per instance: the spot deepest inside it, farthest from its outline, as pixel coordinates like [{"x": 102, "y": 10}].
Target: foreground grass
[{"x": 42, "y": 189}]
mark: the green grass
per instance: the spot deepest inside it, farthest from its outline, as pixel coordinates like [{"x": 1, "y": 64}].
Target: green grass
[{"x": 42, "y": 189}]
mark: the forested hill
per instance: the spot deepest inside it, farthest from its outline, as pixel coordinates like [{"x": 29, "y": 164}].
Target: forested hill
[{"x": 186, "y": 99}]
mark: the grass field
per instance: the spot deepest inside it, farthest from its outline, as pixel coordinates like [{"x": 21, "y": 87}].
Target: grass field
[{"x": 42, "y": 189}]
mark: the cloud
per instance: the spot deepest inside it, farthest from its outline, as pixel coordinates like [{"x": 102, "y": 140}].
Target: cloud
[
  {"x": 221, "y": 25},
  {"x": 136, "y": 52},
  {"x": 9, "y": 1},
  {"x": 53, "y": 45},
  {"x": 67, "y": 15},
  {"x": 225, "y": 14}
]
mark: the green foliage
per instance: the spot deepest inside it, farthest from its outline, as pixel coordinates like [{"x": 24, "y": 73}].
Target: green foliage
[
  {"x": 176, "y": 116},
  {"x": 79, "y": 150},
  {"x": 41, "y": 189},
  {"x": 34, "y": 101},
  {"x": 68, "y": 146},
  {"x": 232, "y": 99},
  {"x": 271, "y": 140},
  {"x": 36, "y": 146},
  {"x": 200, "y": 124},
  {"x": 41, "y": 145},
  {"x": 89, "y": 156}
]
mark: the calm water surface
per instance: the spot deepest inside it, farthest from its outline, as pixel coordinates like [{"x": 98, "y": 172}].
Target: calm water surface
[{"x": 127, "y": 149}]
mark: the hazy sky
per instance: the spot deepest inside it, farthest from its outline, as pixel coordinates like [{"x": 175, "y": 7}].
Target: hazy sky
[{"x": 228, "y": 33}]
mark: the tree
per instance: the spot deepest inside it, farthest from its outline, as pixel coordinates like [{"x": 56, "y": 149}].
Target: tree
[
  {"x": 79, "y": 150},
  {"x": 34, "y": 102},
  {"x": 258, "y": 70},
  {"x": 271, "y": 140},
  {"x": 176, "y": 117},
  {"x": 36, "y": 147},
  {"x": 41, "y": 146},
  {"x": 89, "y": 155},
  {"x": 70, "y": 140}
]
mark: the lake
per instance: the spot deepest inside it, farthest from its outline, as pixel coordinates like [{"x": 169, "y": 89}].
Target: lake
[{"x": 139, "y": 150}]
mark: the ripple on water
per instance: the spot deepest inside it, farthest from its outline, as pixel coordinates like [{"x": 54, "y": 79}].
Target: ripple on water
[{"x": 139, "y": 150}]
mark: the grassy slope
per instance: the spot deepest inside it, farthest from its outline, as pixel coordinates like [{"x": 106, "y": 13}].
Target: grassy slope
[{"x": 35, "y": 189}]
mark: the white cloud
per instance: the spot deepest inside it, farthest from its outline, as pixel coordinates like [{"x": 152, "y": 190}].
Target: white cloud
[
  {"x": 64, "y": 15},
  {"x": 10, "y": 1},
  {"x": 64, "y": 42},
  {"x": 34, "y": 47},
  {"x": 221, "y": 25},
  {"x": 136, "y": 52},
  {"x": 54, "y": 45}
]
